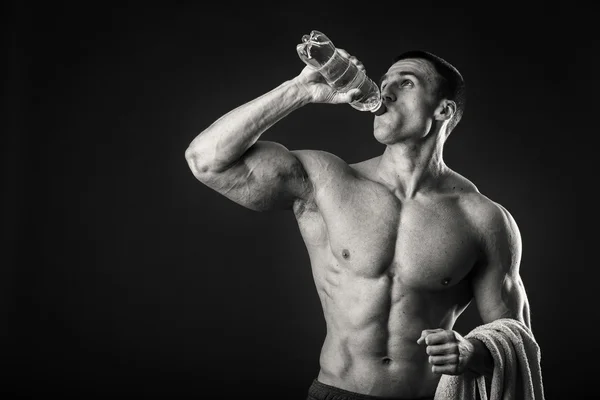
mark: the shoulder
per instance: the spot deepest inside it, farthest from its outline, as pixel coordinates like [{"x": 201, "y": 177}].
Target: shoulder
[
  {"x": 496, "y": 233},
  {"x": 495, "y": 229},
  {"x": 367, "y": 167},
  {"x": 489, "y": 218}
]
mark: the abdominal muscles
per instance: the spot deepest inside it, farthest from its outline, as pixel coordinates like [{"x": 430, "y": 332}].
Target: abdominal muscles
[{"x": 373, "y": 324}]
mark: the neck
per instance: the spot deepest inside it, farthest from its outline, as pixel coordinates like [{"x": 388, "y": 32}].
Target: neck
[{"x": 411, "y": 166}]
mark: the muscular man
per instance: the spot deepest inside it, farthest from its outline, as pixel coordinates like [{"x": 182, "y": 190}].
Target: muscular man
[{"x": 399, "y": 244}]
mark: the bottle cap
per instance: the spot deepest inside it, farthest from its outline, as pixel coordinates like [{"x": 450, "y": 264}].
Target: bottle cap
[{"x": 380, "y": 110}]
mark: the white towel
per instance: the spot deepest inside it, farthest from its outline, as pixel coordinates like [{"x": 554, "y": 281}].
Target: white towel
[{"x": 517, "y": 370}]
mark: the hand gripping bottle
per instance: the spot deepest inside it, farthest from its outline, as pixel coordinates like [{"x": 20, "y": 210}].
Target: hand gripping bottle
[{"x": 319, "y": 53}]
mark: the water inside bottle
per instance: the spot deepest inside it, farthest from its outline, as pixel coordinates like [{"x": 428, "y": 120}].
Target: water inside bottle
[{"x": 372, "y": 103}]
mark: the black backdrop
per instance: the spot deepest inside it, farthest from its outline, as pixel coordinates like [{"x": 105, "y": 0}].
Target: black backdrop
[{"x": 125, "y": 276}]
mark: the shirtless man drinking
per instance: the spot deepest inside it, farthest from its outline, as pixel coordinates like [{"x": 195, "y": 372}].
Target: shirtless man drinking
[{"x": 399, "y": 244}]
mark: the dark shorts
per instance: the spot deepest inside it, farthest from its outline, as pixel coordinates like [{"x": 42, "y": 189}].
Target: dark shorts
[{"x": 321, "y": 391}]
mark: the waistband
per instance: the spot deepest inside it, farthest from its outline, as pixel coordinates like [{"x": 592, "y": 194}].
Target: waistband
[{"x": 321, "y": 391}]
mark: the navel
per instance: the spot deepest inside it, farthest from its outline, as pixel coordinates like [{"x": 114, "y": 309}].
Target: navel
[
  {"x": 346, "y": 254},
  {"x": 386, "y": 360},
  {"x": 446, "y": 281}
]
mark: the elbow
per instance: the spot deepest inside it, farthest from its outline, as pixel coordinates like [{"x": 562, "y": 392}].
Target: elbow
[
  {"x": 198, "y": 163},
  {"x": 204, "y": 164},
  {"x": 190, "y": 155}
]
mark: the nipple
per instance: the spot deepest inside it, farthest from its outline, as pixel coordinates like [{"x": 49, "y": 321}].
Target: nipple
[
  {"x": 345, "y": 254},
  {"x": 446, "y": 281}
]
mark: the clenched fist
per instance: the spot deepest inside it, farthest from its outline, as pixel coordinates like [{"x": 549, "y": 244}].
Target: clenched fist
[{"x": 449, "y": 353}]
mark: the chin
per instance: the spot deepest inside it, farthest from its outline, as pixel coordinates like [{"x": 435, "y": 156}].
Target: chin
[
  {"x": 382, "y": 132},
  {"x": 383, "y": 136},
  {"x": 379, "y": 127}
]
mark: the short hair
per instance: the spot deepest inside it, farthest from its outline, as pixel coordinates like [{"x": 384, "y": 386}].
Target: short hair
[{"x": 452, "y": 84}]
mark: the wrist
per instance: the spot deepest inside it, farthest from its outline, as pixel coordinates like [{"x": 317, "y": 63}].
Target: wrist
[
  {"x": 298, "y": 88},
  {"x": 480, "y": 361}
]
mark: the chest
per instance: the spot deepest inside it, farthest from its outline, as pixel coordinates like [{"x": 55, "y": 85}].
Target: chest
[{"x": 366, "y": 230}]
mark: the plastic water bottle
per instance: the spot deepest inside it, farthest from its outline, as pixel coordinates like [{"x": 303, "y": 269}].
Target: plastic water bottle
[{"x": 318, "y": 52}]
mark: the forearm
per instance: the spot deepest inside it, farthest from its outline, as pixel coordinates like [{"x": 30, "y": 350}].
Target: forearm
[
  {"x": 229, "y": 137},
  {"x": 481, "y": 361}
]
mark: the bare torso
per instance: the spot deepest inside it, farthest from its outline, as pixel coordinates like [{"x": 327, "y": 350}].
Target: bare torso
[{"x": 385, "y": 269}]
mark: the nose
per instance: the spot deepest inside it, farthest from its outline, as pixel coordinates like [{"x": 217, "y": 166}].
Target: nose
[{"x": 388, "y": 97}]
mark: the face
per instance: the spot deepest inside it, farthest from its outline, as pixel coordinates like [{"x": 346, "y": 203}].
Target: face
[{"x": 409, "y": 92}]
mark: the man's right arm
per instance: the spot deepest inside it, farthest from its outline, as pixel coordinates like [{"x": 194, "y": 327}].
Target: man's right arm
[
  {"x": 228, "y": 158},
  {"x": 259, "y": 175}
]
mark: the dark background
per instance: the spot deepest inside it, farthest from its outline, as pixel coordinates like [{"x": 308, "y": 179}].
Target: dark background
[{"x": 126, "y": 276}]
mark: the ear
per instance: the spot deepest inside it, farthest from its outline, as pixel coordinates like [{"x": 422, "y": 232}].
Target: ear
[{"x": 445, "y": 110}]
